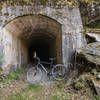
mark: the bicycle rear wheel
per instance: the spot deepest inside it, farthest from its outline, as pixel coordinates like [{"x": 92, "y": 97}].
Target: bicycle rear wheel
[
  {"x": 59, "y": 72},
  {"x": 34, "y": 75}
]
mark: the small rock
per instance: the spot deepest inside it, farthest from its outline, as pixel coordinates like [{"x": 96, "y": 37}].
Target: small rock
[
  {"x": 97, "y": 88},
  {"x": 98, "y": 76},
  {"x": 11, "y": 85},
  {"x": 90, "y": 53}
]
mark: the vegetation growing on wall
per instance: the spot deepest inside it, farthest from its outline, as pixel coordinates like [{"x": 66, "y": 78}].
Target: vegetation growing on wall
[
  {"x": 55, "y": 3},
  {"x": 1, "y": 60},
  {"x": 44, "y": 2},
  {"x": 90, "y": 13}
]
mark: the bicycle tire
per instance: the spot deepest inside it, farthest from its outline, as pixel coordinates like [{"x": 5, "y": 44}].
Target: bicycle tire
[
  {"x": 57, "y": 70},
  {"x": 34, "y": 75}
]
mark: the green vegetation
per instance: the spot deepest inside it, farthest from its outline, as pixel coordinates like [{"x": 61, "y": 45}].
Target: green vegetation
[
  {"x": 26, "y": 93},
  {"x": 15, "y": 75},
  {"x": 56, "y": 97},
  {"x": 17, "y": 96},
  {"x": 12, "y": 76},
  {"x": 44, "y": 2},
  {"x": 92, "y": 29},
  {"x": 63, "y": 96},
  {"x": 38, "y": 92},
  {"x": 95, "y": 73},
  {"x": 1, "y": 60},
  {"x": 58, "y": 92},
  {"x": 36, "y": 87},
  {"x": 97, "y": 97}
]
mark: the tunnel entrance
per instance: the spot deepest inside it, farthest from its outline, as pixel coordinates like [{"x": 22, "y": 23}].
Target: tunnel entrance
[
  {"x": 45, "y": 49},
  {"x": 32, "y": 33},
  {"x": 41, "y": 48}
]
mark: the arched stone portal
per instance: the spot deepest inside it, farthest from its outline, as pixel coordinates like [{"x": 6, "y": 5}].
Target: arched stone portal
[{"x": 28, "y": 33}]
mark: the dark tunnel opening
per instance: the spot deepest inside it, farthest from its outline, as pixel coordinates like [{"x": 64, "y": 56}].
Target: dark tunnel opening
[{"x": 45, "y": 49}]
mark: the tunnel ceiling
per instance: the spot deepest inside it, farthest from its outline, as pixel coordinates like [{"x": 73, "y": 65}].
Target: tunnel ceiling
[{"x": 30, "y": 27}]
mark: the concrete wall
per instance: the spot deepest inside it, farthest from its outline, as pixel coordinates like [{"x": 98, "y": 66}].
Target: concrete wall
[
  {"x": 15, "y": 52},
  {"x": 23, "y": 31},
  {"x": 69, "y": 19}
]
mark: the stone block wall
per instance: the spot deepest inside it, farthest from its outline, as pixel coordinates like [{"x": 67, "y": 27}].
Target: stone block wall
[{"x": 71, "y": 26}]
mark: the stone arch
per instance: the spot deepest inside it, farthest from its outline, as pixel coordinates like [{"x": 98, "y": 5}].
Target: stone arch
[
  {"x": 10, "y": 13},
  {"x": 29, "y": 32}
]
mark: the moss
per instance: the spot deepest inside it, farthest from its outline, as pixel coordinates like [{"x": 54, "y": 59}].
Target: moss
[
  {"x": 79, "y": 85},
  {"x": 84, "y": 33},
  {"x": 22, "y": 2},
  {"x": 0, "y": 68},
  {"x": 92, "y": 29},
  {"x": 53, "y": 3},
  {"x": 97, "y": 97}
]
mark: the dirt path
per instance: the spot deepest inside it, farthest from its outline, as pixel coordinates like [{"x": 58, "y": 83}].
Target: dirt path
[
  {"x": 13, "y": 87},
  {"x": 21, "y": 90}
]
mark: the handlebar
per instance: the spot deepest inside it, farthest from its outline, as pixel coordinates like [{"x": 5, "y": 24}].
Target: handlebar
[{"x": 37, "y": 59}]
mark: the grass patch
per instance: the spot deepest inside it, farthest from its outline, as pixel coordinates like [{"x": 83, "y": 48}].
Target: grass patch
[
  {"x": 36, "y": 87},
  {"x": 12, "y": 76},
  {"x": 15, "y": 75},
  {"x": 56, "y": 97},
  {"x": 36, "y": 92},
  {"x": 97, "y": 97},
  {"x": 61, "y": 96},
  {"x": 18, "y": 96},
  {"x": 28, "y": 93}
]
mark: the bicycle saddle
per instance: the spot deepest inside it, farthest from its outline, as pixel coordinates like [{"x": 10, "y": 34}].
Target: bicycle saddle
[{"x": 52, "y": 58}]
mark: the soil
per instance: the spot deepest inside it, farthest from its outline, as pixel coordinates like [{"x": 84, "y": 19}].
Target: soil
[{"x": 50, "y": 90}]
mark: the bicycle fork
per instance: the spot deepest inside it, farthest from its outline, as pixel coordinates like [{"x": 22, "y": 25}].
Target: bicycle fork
[{"x": 48, "y": 73}]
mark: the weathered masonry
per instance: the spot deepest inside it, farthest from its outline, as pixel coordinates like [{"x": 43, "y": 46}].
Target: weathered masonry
[{"x": 50, "y": 31}]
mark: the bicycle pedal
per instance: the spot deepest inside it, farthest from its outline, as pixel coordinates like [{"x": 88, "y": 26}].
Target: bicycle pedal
[{"x": 49, "y": 74}]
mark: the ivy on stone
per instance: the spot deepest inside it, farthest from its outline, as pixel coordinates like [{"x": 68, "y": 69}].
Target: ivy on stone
[
  {"x": 44, "y": 2},
  {"x": 1, "y": 58}
]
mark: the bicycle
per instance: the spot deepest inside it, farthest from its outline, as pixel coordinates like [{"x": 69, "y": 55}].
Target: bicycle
[{"x": 58, "y": 72}]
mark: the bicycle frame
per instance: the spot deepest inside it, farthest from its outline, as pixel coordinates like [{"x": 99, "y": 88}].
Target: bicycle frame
[
  {"x": 48, "y": 63},
  {"x": 43, "y": 68},
  {"x": 43, "y": 62}
]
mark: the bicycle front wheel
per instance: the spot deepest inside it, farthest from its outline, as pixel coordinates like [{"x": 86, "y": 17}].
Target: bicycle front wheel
[
  {"x": 34, "y": 75},
  {"x": 59, "y": 72}
]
